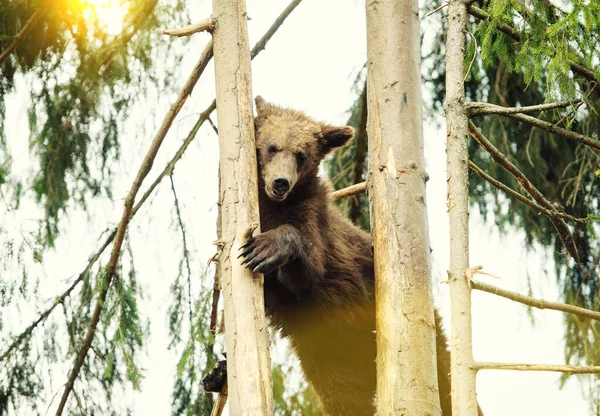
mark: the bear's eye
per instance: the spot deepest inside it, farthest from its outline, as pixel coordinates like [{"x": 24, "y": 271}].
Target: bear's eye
[
  {"x": 272, "y": 148},
  {"x": 300, "y": 157}
]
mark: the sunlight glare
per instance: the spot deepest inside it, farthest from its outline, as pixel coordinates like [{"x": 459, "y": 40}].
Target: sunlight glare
[{"x": 110, "y": 14}]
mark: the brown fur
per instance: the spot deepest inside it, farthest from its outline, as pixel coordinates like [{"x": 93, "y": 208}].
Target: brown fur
[{"x": 319, "y": 278}]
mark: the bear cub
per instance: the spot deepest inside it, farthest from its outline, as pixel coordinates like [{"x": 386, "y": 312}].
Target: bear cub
[{"x": 318, "y": 266}]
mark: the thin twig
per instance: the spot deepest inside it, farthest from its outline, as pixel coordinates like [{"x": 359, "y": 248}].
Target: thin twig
[
  {"x": 186, "y": 253},
  {"x": 534, "y": 302},
  {"x": 127, "y": 211},
  {"x": 569, "y": 369},
  {"x": 260, "y": 45},
  {"x": 479, "y": 109},
  {"x": 563, "y": 230},
  {"x": 20, "y": 37},
  {"x": 511, "y": 192},
  {"x": 436, "y": 10},
  {"x": 201, "y": 26},
  {"x": 349, "y": 191}
]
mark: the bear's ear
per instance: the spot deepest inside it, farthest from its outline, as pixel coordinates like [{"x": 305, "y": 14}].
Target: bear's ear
[
  {"x": 335, "y": 137},
  {"x": 262, "y": 107}
]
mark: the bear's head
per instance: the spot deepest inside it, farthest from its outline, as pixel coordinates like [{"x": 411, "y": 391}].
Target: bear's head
[{"x": 290, "y": 146}]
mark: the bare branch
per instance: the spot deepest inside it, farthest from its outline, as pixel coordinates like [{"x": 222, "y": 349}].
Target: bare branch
[
  {"x": 516, "y": 35},
  {"x": 536, "y": 303},
  {"x": 479, "y": 109},
  {"x": 499, "y": 185},
  {"x": 563, "y": 230},
  {"x": 19, "y": 37},
  {"x": 349, "y": 191},
  {"x": 544, "y": 125},
  {"x": 436, "y": 10},
  {"x": 569, "y": 369},
  {"x": 206, "y": 25},
  {"x": 127, "y": 215},
  {"x": 260, "y": 45}
]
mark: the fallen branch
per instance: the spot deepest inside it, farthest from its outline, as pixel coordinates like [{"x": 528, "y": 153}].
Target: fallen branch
[
  {"x": 127, "y": 211},
  {"x": 569, "y": 369},
  {"x": 563, "y": 230},
  {"x": 534, "y": 302},
  {"x": 475, "y": 109},
  {"x": 511, "y": 192},
  {"x": 201, "y": 26},
  {"x": 516, "y": 35},
  {"x": 544, "y": 125},
  {"x": 349, "y": 191},
  {"x": 19, "y": 37}
]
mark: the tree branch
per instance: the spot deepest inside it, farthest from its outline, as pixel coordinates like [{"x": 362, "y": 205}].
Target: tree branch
[
  {"x": 499, "y": 185},
  {"x": 205, "y": 25},
  {"x": 260, "y": 45},
  {"x": 475, "y": 109},
  {"x": 563, "y": 230},
  {"x": 127, "y": 215},
  {"x": 19, "y": 37},
  {"x": 569, "y": 369},
  {"x": 544, "y": 125},
  {"x": 221, "y": 401},
  {"x": 349, "y": 191},
  {"x": 536, "y": 303},
  {"x": 516, "y": 35}
]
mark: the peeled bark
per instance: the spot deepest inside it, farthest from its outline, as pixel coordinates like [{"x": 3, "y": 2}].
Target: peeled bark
[
  {"x": 406, "y": 351},
  {"x": 464, "y": 396},
  {"x": 247, "y": 340}
]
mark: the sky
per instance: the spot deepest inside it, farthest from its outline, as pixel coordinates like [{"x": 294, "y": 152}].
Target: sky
[{"x": 310, "y": 64}]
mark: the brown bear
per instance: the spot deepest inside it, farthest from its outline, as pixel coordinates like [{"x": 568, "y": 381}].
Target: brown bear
[{"x": 318, "y": 266}]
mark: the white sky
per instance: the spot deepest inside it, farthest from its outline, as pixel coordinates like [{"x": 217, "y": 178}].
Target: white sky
[{"x": 309, "y": 64}]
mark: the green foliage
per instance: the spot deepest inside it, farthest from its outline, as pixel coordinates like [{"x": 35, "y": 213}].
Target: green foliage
[{"x": 82, "y": 83}]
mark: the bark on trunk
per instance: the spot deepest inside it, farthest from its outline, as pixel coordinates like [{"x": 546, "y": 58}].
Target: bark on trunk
[
  {"x": 248, "y": 362},
  {"x": 464, "y": 396},
  {"x": 406, "y": 352}
]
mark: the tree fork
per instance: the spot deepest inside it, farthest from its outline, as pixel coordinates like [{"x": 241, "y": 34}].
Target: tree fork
[
  {"x": 405, "y": 319},
  {"x": 464, "y": 395},
  {"x": 247, "y": 339}
]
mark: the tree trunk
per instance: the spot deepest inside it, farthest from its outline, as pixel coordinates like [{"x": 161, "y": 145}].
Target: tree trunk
[
  {"x": 464, "y": 396},
  {"x": 406, "y": 352},
  {"x": 247, "y": 339}
]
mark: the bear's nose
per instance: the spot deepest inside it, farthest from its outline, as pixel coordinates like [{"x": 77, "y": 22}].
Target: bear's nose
[{"x": 281, "y": 184}]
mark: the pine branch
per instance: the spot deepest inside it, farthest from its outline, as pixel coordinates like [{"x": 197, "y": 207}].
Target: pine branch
[
  {"x": 20, "y": 37},
  {"x": 59, "y": 300},
  {"x": 360, "y": 154},
  {"x": 544, "y": 125},
  {"x": 205, "y": 25},
  {"x": 563, "y": 230},
  {"x": 349, "y": 191},
  {"x": 576, "y": 67},
  {"x": 127, "y": 211},
  {"x": 536, "y": 303},
  {"x": 569, "y": 369},
  {"x": 511, "y": 192},
  {"x": 479, "y": 109}
]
